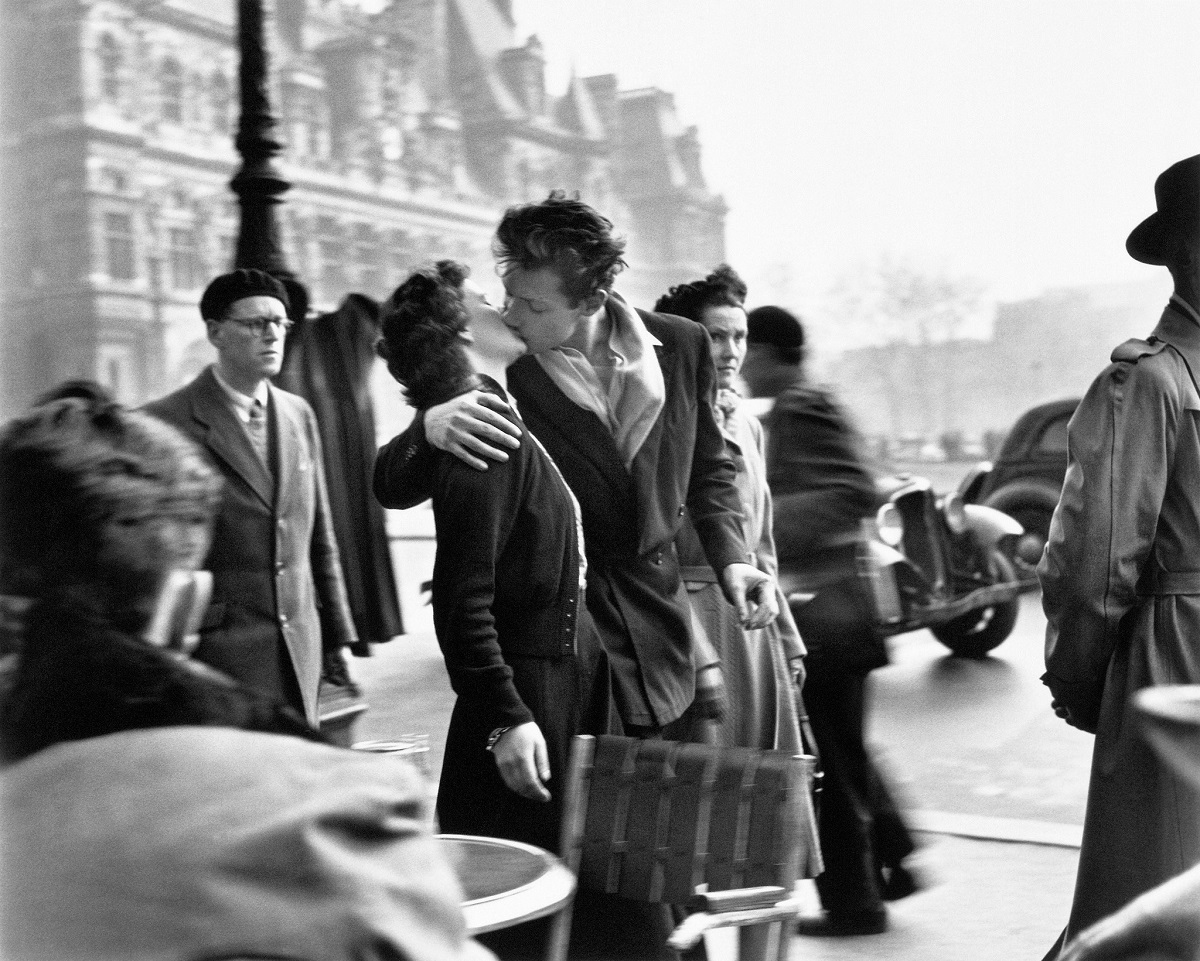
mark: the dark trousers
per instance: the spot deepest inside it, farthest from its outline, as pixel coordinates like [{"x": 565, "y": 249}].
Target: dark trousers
[{"x": 859, "y": 824}]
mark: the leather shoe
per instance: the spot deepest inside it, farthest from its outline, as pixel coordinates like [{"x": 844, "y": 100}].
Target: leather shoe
[
  {"x": 898, "y": 882},
  {"x": 843, "y": 924}
]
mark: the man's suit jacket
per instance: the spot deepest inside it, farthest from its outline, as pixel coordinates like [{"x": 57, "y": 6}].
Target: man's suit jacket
[
  {"x": 278, "y": 594},
  {"x": 630, "y": 516}
]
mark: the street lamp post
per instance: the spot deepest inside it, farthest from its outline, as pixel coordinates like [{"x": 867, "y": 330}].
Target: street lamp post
[{"x": 259, "y": 184}]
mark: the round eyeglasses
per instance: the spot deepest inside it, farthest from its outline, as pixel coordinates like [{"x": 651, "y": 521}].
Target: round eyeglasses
[{"x": 258, "y": 325}]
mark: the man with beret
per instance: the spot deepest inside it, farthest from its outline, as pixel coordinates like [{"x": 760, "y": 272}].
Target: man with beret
[
  {"x": 1121, "y": 572},
  {"x": 279, "y": 615}
]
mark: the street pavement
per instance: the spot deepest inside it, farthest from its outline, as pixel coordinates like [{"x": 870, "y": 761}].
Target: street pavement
[{"x": 985, "y": 773}]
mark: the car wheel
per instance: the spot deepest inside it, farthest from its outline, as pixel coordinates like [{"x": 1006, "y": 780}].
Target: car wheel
[{"x": 975, "y": 633}]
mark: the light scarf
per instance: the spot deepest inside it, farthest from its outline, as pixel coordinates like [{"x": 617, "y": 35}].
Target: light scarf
[{"x": 637, "y": 392}]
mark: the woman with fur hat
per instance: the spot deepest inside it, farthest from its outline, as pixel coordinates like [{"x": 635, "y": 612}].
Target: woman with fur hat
[{"x": 105, "y": 515}]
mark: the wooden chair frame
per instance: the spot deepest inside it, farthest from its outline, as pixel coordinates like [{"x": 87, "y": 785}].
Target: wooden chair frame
[{"x": 724, "y": 830}]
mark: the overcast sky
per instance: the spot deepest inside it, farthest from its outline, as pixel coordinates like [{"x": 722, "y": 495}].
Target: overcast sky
[{"x": 1014, "y": 141}]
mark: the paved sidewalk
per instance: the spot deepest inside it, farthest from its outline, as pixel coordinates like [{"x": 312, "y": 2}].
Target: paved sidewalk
[{"x": 988, "y": 900}]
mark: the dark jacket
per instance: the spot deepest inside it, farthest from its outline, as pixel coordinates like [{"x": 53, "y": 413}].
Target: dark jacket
[
  {"x": 278, "y": 598},
  {"x": 328, "y": 361},
  {"x": 630, "y": 518},
  {"x": 820, "y": 483},
  {"x": 506, "y": 574}
]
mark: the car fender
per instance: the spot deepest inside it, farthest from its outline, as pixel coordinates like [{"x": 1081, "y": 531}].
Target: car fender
[
  {"x": 989, "y": 524},
  {"x": 1024, "y": 493},
  {"x": 973, "y": 481}
]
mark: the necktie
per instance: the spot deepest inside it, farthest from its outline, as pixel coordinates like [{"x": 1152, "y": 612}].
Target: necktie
[{"x": 256, "y": 427}]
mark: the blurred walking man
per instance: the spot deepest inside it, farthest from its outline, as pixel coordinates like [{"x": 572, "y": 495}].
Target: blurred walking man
[
  {"x": 1120, "y": 576},
  {"x": 279, "y": 614}
]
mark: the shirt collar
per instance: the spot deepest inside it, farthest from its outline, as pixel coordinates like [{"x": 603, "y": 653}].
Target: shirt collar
[
  {"x": 242, "y": 402},
  {"x": 1186, "y": 309}
]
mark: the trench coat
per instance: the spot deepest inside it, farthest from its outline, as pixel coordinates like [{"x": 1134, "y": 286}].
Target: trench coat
[
  {"x": 328, "y": 361},
  {"x": 279, "y": 603},
  {"x": 1121, "y": 589}
]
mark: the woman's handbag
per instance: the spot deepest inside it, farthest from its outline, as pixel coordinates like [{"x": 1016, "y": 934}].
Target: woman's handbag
[{"x": 808, "y": 744}]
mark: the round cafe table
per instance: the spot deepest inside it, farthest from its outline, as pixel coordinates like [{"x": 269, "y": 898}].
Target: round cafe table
[{"x": 505, "y": 882}]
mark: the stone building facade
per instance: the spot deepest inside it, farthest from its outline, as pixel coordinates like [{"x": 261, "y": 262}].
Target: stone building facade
[{"x": 407, "y": 131}]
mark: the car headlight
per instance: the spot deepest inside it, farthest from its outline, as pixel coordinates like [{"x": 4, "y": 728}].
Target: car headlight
[
  {"x": 955, "y": 512},
  {"x": 890, "y": 525}
]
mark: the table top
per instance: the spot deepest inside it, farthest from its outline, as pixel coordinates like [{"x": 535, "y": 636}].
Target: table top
[{"x": 505, "y": 882}]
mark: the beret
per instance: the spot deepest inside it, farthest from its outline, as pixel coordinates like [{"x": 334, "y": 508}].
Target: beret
[
  {"x": 775, "y": 326},
  {"x": 229, "y": 288}
]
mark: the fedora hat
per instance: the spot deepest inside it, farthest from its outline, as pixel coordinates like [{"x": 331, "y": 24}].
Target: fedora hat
[{"x": 1177, "y": 196}]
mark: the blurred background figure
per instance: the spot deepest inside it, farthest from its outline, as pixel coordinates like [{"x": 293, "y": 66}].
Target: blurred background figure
[
  {"x": 760, "y": 668},
  {"x": 327, "y": 360},
  {"x": 279, "y": 616},
  {"x": 822, "y": 492},
  {"x": 105, "y": 515}
]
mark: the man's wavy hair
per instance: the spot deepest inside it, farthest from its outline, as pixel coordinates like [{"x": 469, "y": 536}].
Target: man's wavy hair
[
  {"x": 76, "y": 470},
  {"x": 722, "y": 288},
  {"x": 421, "y": 325},
  {"x": 565, "y": 235}
]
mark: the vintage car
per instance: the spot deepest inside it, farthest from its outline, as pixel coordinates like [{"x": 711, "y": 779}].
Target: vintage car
[
  {"x": 1027, "y": 476},
  {"x": 933, "y": 561}
]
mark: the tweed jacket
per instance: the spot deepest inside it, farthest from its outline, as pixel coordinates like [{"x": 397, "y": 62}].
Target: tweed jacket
[
  {"x": 278, "y": 598},
  {"x": 630, "y": 516}
]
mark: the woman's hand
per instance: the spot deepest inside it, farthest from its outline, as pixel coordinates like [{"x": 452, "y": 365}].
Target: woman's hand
[{"x": 524, "y": 763}]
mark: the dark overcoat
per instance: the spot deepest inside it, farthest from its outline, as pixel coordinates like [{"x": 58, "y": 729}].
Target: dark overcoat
[
  {"x": 278, "y": 597},
  {"x": 328, "y": 361},
  {"x": 1121, "y": 590}
]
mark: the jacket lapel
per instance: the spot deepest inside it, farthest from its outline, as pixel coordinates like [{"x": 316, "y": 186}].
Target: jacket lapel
[
  {"x": 645, "y": 463},
  {"x": 578, "y": 428},
  {"x": 1182, "y": 333},
  {"x": 226, "y": 438},
  {"x": 288, "y": 431}
]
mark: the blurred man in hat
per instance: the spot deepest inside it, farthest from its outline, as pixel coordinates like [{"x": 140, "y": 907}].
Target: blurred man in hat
[
  {"x": 279, "y": 615},
  {"x": 823, "y": 490},
  {"x": 1120, "y": 575}
]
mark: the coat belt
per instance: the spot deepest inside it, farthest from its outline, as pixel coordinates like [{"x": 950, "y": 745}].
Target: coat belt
[{"x": 1154, "y": 582}]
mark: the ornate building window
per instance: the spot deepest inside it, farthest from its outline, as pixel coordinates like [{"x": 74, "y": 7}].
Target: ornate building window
[
  {"x": 170, "y": 85},
  {"x": 368, "y": 257},
  {"x": 331, "y": 268},
  {"x": 183, "y": 257},
  {"x": 400, "y": 258},
  {"x": 118, "y": 246},
  {"x": 220, "y": 103},
  {"x": 111, "y": 60}
]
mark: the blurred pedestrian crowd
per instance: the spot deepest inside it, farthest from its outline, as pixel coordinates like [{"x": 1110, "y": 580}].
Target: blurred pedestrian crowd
[{"x": 623, "y": 547}]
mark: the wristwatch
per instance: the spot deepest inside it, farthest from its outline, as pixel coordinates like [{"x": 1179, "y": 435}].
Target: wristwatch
[{"x": 494, "y": 737}]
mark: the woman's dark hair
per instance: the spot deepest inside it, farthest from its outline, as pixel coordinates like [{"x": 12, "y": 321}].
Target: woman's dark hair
[
  {"x": 722, "y": 288},
  {"x": 421, "y": 323},
  {"x": 565, "y": 235},
  {"x": 76, "y": 471}
]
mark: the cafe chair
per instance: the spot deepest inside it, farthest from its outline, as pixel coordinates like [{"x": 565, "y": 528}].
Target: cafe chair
[{"x": 724, "y": 831}]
